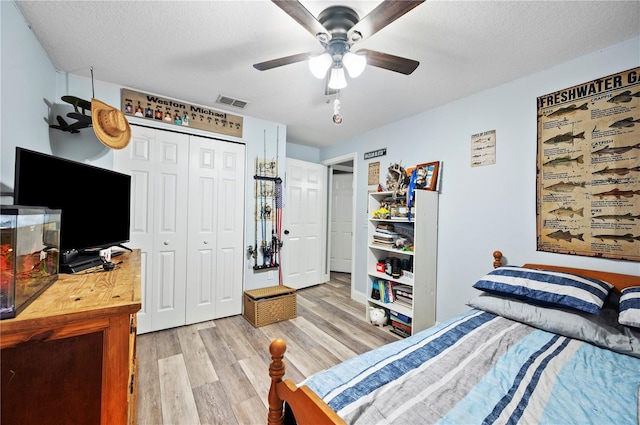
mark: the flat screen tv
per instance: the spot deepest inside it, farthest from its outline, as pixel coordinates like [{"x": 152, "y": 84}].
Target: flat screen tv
[{"x": 95, "y": 202}]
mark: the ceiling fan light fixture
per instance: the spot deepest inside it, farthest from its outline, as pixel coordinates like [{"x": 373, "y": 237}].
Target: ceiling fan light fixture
[
  {"x": 354, "y": 63},
  {"x": 319, "y": 65},
  {"x": 337, "y": 79}
]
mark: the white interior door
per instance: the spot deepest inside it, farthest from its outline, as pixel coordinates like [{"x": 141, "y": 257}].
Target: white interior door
[
  {"x": 158, "y": 161},
  {"x": 216, "y": 235},
  {"x": 303, "y": 234},
  {"x": 137, "y": 160},
  {"x": 170, "y": 228},
  {"x": 341, "y": 222}
]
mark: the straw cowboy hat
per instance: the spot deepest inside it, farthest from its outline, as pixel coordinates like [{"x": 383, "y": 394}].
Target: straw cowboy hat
[{"x": 110, "y": 125}]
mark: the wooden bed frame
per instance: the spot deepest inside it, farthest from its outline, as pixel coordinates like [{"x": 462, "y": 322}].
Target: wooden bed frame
[{"x": 308, "y": 407}]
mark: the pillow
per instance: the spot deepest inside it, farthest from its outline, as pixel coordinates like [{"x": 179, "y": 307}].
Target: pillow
[
  {"x": 602, "y": 330},
  {"x": 547, "y": 287},
  {"x": 630, "y": 307}
]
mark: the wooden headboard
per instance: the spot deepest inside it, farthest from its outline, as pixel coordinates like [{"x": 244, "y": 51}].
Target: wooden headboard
[{"x": 619, "y": 281}]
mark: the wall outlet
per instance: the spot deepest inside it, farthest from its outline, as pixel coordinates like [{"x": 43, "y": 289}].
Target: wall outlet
[{"x": 270, "y": 275}]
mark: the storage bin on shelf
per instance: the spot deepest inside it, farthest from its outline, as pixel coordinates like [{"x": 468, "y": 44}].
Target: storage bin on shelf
[{"x": 269, "y": 305}]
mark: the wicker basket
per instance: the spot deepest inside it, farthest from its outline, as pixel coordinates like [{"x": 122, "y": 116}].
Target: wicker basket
[{"x": 269, "y": 305}]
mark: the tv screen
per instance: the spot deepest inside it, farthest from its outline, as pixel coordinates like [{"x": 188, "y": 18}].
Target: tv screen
[{"x": 95, "y": 202}]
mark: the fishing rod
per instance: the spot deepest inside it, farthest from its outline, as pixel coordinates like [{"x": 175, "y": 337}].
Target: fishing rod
[
  {"x": 265, "y": 246},
  {"x": 277, "y": 195},
  {"x": 253, "y": 250}
]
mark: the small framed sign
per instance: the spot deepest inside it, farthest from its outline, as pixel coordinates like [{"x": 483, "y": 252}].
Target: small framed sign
[
  {"x": 374, "y": 173},
  {"x": 375, "y": 154}
]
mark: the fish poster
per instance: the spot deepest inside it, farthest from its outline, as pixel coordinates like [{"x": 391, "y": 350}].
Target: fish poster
[
  {"x": 483, "y": 148},
  {"x": 588, "y": 169}
]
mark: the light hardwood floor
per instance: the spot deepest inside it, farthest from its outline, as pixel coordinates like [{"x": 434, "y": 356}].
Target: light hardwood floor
[{"x": 217, "y": 372}]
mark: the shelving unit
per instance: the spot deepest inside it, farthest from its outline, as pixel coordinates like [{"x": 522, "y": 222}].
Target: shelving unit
[{"x": 421, "y": 273}]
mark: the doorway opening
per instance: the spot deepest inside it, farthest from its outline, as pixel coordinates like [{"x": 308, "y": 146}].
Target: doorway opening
[{"x": 340, "y": 244}]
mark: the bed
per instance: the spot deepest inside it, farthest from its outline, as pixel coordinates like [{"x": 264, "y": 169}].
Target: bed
[{"x": 540, "y": 344}]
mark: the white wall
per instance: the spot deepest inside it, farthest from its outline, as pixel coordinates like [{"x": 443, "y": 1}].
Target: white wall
[
  {"x": 303, "y": 153},
  {"x": 31, "y": 91},
  {"x": 24, "y": 106},
  {"x": 487, "y": 208}
]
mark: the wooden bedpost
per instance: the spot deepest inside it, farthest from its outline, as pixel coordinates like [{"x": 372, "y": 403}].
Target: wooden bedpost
[
  {"x": 497, "y": 259},
  {"x": 276, "y": 371}
]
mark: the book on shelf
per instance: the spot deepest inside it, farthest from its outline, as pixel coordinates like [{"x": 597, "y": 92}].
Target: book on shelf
[
  {"x": 386, "y": 291},
  {"x": 406, "y": 300},
  {"x": 400, "y": 317},
  {"x": 375, "y": 290},
  {"x": 385, "y": 227},
  {"x": 403, "y": 303},
  {"x": 400, "y": 332},
  {"x": 384, "y": 238},
  {"x": 400, "y": 320},
  {"x": 400, "y": 325},
  {"x": 382, "y": 244},
  {"x": 407, "y": 289}
]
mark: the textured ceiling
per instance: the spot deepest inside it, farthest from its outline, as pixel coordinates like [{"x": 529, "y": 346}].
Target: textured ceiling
[{"x": 195, "y": 51}]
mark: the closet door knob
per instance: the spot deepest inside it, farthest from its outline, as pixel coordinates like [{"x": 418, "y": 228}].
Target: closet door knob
[
  {"x": 286, "y": 232},
  {"x": 166, "y": 242},
  {"x": 206, "y": 242}
]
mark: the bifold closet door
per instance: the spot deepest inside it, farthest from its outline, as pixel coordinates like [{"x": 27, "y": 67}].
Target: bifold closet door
[
  {"x": 215, "y": 229},
  {"x": 158, "y": 164}
]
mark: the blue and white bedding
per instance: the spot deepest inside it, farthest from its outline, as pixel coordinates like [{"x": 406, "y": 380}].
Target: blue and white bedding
[{"x": 482, "y": 368}]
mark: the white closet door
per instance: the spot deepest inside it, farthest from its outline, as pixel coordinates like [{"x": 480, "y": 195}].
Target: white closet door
[
  {"x": 137, "y": 160},
  {"x": 157, "y": 161},
  {"x": 170, "y": 228},
  {"x": 216, "y": 235}
]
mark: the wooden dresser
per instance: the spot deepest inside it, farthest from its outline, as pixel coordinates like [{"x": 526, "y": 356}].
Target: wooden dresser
[{"x": 70, "y": 356}]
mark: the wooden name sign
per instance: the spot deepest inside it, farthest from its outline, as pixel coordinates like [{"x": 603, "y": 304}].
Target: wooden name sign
[{"x": 152, "y": 107}]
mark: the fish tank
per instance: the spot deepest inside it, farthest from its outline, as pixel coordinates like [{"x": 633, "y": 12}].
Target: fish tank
[{"x": 29, "y": 255}]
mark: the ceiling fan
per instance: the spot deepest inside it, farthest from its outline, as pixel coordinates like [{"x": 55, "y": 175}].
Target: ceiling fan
[{"x": 338, "y": 28}]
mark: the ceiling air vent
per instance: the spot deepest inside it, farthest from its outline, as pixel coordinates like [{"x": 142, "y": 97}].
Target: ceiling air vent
[{"x": 226, "y": 100}]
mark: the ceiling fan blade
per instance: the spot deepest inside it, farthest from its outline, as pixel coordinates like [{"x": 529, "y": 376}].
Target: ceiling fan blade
[
  {"x": 301, "y": 15},
  {"x": 287, "y": 60},
  {"x": 390, "y": 62},
  {"x": 384, "y": 14}
]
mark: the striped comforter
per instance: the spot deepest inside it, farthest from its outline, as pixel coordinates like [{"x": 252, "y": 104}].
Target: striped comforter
[{"x": 479, "y": 368}]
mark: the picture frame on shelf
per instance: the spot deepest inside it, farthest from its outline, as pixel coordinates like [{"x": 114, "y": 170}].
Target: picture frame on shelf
[{"x": 427, "y": 175}]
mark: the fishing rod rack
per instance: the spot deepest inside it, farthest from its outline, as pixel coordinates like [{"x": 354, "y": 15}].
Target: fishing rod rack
[{"x": 268, "y": 216}]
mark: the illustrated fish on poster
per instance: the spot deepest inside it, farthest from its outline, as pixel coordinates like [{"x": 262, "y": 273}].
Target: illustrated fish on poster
[
  {"x": 624, "y": 97},
  {"x": 561, "y": 235},
  {"x": 564, "y": 160},
  {"x": 617, "y": 238},
  {"x": 627, "y": 122},
  {"x": 564, "y": 138},
  {"x": 565, "y": 187},
  {"x": 616, "y": 217},
  {"x": 569, "y": 109},
  {"x": 563, "y": 212},
  {"x": 607, "y": 150},
  {"x": 617, "y": 171},
  {"x": 617, "y": 193}
]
